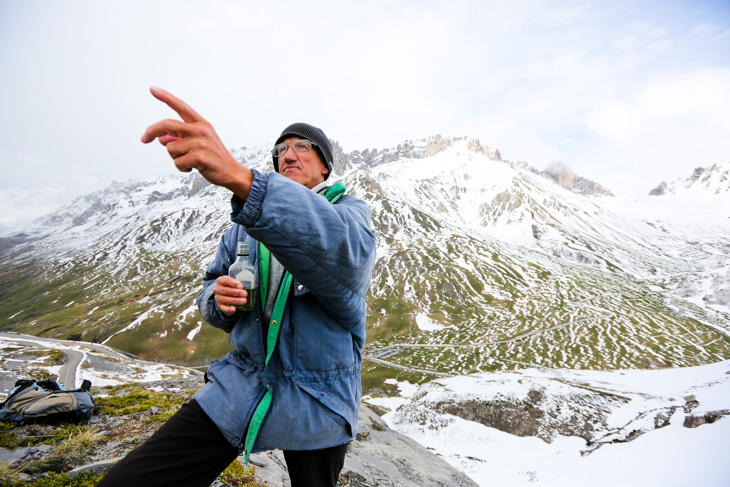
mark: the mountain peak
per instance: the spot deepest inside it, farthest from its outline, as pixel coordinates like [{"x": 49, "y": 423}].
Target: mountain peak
[
  {"x": 414, "y": 149},
  {"x": 562, "y": 174},
  {"x": 712, "y": 180}
]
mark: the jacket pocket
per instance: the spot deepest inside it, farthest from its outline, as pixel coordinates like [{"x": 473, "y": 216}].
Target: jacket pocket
[
  {"x": 320, "y": 343},
  {"x": 341, "y": 413}
]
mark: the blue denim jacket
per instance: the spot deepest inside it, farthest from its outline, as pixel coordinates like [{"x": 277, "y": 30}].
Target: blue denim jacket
[{"x": 314, "y": 373}]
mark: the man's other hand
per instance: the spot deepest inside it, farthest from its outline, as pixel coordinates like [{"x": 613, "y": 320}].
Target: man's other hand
[{"x": 229, "y": 293}]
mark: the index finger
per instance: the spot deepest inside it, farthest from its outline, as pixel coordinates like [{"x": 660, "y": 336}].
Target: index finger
[
  {"x": 182, "y": 108},
  {"x": 228, "y": 281}
]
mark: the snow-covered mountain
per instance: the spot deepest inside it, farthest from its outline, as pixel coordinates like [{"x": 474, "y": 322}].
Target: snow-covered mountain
[
  {"x": 712, "y": 180},
  {"x": 482, "y": 264}
]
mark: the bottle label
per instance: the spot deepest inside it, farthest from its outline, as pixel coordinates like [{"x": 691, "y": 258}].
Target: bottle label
[{"x": 248, "y": 279}]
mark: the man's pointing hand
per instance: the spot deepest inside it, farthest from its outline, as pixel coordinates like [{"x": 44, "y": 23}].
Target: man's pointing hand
[{"x": 193, "y": 144}]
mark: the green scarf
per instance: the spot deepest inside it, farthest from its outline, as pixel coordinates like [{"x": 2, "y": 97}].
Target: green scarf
[{"x": 333, "y": 193}]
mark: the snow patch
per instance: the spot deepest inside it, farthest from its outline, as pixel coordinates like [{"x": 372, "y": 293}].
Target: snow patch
[
  {"x": 671, "y": 456},
  {"x": 195, "y": 331},
  {"x": 427, "y": 324}
]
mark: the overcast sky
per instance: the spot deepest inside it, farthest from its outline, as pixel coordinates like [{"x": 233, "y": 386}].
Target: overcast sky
[{"x": 626, "y": 93}]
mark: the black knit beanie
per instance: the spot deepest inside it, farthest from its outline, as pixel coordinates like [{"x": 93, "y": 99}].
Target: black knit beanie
[{"x": 313, "y": 134}]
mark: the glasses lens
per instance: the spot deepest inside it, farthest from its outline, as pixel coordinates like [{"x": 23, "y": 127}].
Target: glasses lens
[
  {"x": 279, "y": 150},
  {"x": 302, "y": 146},
  {"x": 298, "y": 146}
]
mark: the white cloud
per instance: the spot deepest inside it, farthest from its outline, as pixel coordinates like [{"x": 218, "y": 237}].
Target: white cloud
[
  {"x": 674, "y": 123},
  {"x": 666, "y": 103},
  {"x": 19, "y": 206},
  {"x": 600, "y": 87}
]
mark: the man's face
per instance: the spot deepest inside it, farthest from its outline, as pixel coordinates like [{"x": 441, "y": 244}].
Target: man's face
[{"x": 306, "y": 168}]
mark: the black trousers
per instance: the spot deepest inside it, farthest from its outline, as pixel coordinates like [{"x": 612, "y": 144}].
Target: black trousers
[{"x": 189, "y": 450}]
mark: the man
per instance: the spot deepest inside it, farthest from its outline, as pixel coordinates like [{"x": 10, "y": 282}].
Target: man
[{"x": 293, "y": 379}]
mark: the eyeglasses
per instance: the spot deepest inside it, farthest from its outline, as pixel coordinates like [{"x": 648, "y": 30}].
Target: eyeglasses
[{"x": 301, "y": 145}]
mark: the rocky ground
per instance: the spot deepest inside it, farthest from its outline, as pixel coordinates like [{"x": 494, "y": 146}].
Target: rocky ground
[{"x": 128, "y": 414}]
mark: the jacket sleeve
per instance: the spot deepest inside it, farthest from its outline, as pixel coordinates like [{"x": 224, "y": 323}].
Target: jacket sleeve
[
  {"x": 329, "y": 248},
  {"x": 209, "y": 309}
]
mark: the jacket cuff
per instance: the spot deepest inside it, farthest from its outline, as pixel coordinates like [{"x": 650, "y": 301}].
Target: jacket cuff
[
  {"x": 247, "y": 212},
  {"x": 222, "y": 320}
]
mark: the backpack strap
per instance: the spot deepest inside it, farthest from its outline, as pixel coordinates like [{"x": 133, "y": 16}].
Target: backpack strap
[{"x": 20, "y": 385}]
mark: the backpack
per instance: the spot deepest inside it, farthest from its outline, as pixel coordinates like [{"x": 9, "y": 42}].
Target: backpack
[{"x": 46, "y": 401}]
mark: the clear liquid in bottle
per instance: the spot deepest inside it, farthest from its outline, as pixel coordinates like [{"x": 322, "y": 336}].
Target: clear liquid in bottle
[{"x": 245, "y": 273}]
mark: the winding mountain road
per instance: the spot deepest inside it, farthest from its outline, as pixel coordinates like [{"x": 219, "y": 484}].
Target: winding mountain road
[
  {"x": 74, "y": 353},
  {"x": 72, "y": 358},
  {"x": 67, "y": 374}
]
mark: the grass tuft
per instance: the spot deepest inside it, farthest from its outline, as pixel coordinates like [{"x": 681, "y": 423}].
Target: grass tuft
[
  {"x": 72, "y": 444},
  {"x": 131, "y": 399},
  {"x": 236, "y": 475}
]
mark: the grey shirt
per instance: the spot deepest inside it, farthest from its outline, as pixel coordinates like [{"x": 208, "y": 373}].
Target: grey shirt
[{"x": 276, "y": 273}]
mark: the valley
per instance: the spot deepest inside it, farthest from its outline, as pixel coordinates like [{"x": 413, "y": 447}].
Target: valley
[{"x": 482, "y": 265}]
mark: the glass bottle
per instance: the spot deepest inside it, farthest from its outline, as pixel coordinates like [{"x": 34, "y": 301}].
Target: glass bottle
[{"x": 245, "y": 273}]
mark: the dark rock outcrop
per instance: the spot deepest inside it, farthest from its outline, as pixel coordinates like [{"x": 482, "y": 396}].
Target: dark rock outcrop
[{"x": 695, "y": 420}]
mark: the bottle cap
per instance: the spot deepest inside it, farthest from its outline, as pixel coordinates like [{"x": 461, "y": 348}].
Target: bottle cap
[{"x": 242, "y": 248}]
